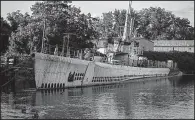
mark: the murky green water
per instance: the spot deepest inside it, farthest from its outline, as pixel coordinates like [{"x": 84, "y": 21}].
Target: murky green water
[{"x": 157, "y": 99}]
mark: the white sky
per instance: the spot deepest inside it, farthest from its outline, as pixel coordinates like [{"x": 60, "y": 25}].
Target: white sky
[{"x": 183, "y": 9}]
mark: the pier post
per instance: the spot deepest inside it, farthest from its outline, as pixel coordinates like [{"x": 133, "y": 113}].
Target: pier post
[
  {"x": 74, "y": 54},
  {"x": 81, "y": 54},
  {"x": 14, "y": 81}
]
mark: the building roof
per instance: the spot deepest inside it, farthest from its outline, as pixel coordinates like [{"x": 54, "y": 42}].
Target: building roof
[
  {"x": 121, "y": 53},
  {"x": 141, "y": 38},
  {"x": 181, "y": 43}
]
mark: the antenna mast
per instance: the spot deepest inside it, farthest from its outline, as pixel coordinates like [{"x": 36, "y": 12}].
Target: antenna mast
[
  {"x": 43, "y": 39},
  {"x": 127, "y": 24}
]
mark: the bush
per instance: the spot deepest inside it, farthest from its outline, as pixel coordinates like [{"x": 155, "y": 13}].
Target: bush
[{"x": 185, "y": 60}]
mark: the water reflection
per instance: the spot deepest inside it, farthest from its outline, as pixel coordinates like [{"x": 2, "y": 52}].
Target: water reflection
[{"x": 160, "y": 98}]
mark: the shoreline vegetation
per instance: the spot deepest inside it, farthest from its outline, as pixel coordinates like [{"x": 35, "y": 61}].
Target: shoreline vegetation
[{"x": 184, "y": 60}]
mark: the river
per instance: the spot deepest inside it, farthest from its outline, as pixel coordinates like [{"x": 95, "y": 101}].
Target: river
[{"x": 165, "y": 98}]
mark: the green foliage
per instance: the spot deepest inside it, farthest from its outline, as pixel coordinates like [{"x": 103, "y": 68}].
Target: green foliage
[{"x": 185, "y": 60}]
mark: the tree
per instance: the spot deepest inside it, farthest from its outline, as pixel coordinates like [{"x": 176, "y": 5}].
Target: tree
[
  {"x": 5, "y": 33},
  {"x": 17, "y": 19},
  {"x": 190, "y": 34},
  {"x": 185, "y": 60},
  {"x": 152, "y": 23},
  {"x": 49, "y": 21},
  {"x": 62, "y": 18},
  {"x": 157, "y": 23}
]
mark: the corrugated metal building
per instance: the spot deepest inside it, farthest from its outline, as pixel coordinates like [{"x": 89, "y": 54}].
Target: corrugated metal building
[{"x": 174, "y": 45}]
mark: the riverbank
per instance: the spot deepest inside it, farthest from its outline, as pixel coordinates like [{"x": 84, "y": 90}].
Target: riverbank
[{"x": 18, "y": 74}]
